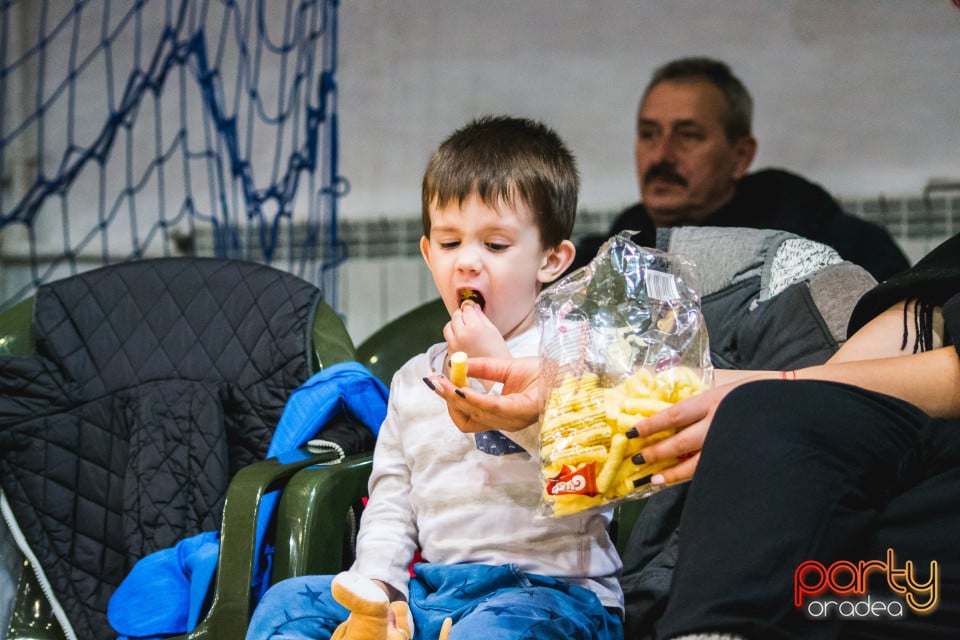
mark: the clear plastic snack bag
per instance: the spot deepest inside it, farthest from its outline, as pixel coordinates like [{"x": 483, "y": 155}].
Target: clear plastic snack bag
[{"x": 622, "y": 338}]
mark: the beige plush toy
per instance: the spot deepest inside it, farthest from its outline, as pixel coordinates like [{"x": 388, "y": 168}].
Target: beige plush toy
[{"x": 369, "y": 607}]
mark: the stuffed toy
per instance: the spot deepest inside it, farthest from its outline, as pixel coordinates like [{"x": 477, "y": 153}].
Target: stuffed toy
[{"x": 369, "y": 607}]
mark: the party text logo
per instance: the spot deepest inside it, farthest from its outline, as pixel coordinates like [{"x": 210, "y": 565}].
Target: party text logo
[{"x": 865, "y": 589}]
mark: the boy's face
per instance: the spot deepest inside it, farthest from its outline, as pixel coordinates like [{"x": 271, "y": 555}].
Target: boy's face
[{"x": 495, "y": 253}]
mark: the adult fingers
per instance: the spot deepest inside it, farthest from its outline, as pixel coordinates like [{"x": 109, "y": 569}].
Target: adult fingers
[
  {"x": 493, "y": 369},
  {"x": 682, "y": 443},
  {"x": 516, "y": 374},
  {"x": 677, "y": 416},
  {"x": 472, "y": 411},
  {"x": 681, "y": 472}
]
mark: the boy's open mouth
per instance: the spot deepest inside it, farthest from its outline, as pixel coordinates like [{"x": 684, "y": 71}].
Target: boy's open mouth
[{"x": 473, "y": 296}]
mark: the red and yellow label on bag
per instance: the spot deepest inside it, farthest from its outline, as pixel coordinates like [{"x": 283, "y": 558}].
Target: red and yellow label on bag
[{"x": 574, "y": 481}]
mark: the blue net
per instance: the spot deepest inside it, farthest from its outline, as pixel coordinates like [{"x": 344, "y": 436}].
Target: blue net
[{"x": 148, "y": 128}]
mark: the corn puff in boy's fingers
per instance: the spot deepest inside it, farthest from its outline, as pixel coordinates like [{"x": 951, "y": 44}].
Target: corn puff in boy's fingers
[
  {"x": 469, "y": 296},
  {"x": 458, "y": 369}
]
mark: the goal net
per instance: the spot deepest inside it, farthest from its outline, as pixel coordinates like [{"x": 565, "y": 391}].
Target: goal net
[{"x": 146, "y": 128}]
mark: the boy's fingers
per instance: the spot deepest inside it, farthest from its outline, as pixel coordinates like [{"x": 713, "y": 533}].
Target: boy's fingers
[{"x": 468, "y": 311}]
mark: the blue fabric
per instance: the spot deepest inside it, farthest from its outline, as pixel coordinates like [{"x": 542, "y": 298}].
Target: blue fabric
[
  {"x": 484, "y": 602},
  {"x": 345, "y": 386},
  {"x": 165, "y": 591},
  {"x": 174, "y": 586}
]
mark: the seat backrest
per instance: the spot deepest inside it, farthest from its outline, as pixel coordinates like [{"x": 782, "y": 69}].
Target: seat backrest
[
  {"x": 121, "y": 383},
  {"x": 329, "y": 341},
  {"x": 16, "y": 329},
  {"x": 312, "y": 536},
  {"x": 402, "y": 338},
  {"x": 306, "y": 504}
]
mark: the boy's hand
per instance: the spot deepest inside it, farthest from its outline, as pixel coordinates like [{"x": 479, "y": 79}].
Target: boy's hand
[{"x": 471, "y": 331}]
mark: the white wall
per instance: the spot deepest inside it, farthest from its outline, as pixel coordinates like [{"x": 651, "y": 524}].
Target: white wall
[{"x": 862, "y": 96}]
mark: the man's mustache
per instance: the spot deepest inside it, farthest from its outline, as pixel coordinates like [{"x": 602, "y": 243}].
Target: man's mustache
[{"x": 665, "y": 171}]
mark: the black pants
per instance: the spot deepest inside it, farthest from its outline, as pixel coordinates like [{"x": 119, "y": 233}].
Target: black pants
[{"x": 802, "y": 471}]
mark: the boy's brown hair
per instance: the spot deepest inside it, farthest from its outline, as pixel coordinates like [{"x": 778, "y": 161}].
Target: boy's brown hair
[{"x": 506, "y": 157}]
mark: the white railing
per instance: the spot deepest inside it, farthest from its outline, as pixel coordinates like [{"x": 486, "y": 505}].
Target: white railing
[{"x": 384, "y": 275}]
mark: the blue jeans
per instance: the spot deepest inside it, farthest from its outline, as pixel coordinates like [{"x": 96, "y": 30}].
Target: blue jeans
[{"x": 484, "y": 601}]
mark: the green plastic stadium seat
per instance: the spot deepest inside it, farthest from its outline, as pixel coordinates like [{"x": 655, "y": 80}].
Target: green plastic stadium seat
[
  {"x": 31, "y": 616},
  {"x": 317, "y": 514},
  {"x": 402, "y": 338}
]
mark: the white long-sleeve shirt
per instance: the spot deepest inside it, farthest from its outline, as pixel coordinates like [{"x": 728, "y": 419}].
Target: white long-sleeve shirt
[{"x": 432, "y": 489}]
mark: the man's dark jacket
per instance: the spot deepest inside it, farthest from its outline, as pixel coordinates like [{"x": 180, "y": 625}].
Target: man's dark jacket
[{"x": 777, "y": 199}]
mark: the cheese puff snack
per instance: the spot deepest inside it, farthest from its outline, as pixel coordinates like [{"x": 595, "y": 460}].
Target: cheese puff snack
[
  {"x": 622, "y": 338},
  {"x": 458, "y": 369},
  {"x": 585, "y": 447}
]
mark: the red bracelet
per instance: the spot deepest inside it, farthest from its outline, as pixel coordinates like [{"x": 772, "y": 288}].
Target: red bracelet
[{"x": 788, "y": 375}]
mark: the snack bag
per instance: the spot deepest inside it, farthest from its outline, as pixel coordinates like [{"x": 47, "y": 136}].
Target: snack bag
[{"x": 622, "y": 338}]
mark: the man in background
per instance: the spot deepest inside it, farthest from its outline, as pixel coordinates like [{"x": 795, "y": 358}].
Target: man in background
[{"x": 693, "y": 148}]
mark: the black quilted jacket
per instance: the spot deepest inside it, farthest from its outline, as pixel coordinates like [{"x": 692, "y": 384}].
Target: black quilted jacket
[{"x": 152, "y": 383}]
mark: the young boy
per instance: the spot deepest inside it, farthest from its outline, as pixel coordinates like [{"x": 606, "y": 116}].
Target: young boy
[{"x": 499, "y": 200}]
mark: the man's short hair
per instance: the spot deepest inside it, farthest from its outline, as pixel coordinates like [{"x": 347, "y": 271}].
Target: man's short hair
[
  {"x": 504, "y": 157},
  {"x": 738, "y": 120}
]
